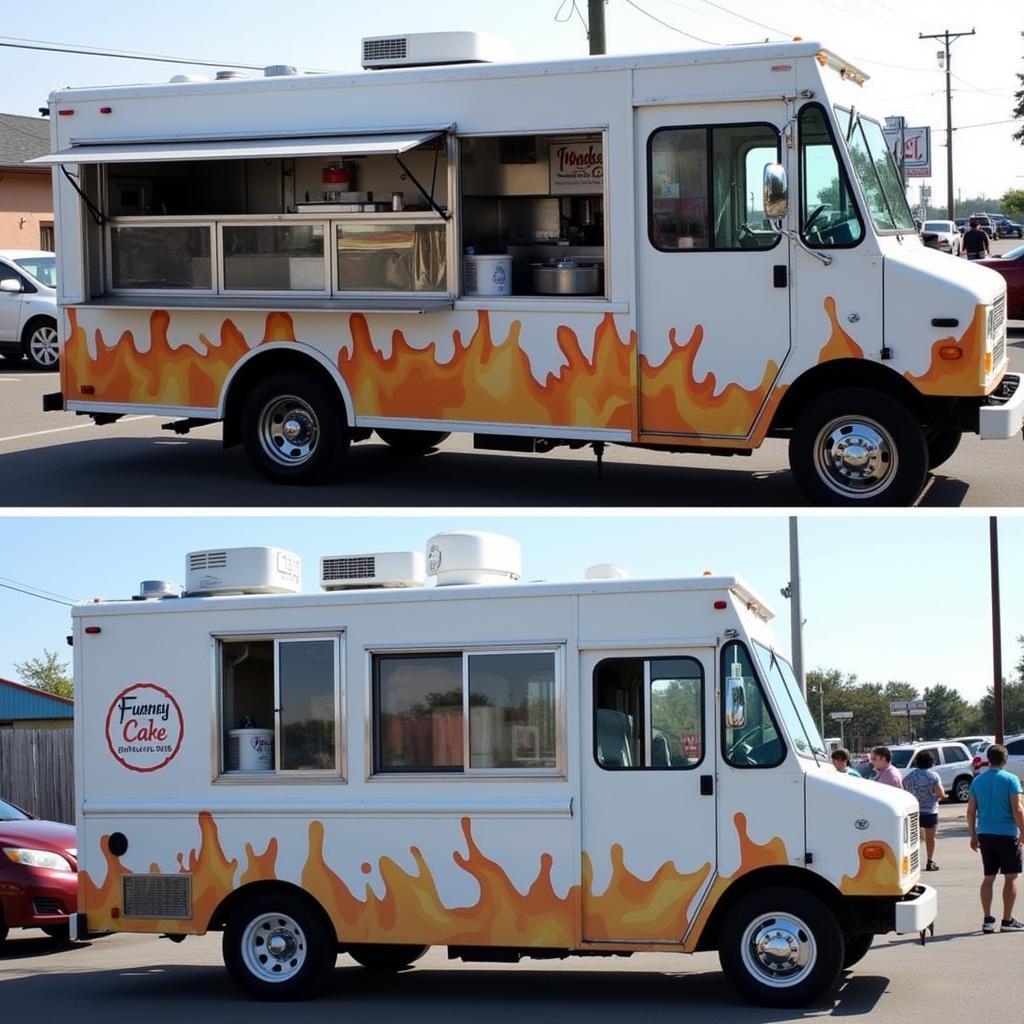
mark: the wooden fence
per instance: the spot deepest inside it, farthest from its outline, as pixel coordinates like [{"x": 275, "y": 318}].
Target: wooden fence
[{"x": 37, "y": 771}]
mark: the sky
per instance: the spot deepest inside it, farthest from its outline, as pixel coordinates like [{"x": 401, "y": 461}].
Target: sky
[
  {"x": 885, "y": 597},
  {"x": 876, "y": 35}
]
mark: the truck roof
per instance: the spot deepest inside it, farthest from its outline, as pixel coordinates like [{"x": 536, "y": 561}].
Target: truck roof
[
  {"x": 397, "y": 76},
  {"x": 733, "y": 584}
]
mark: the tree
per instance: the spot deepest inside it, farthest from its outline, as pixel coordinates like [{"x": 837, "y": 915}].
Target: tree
[
  {"x": 48, "y": 673},
  {"x": 1013, "y": 203},
  {"x": 948, "y": 713},
  {"x": 1018, "y": 111}
]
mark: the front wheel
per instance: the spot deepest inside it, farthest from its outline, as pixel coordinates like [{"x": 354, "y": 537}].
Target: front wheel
[
  {"x": 412, "y": 442},
  {"x": 962, "y": 789},
  {"x": 277, "y": 947},
  {"x": 42, "y": 346},
  {"x": 856, "y": 946},
  {"x": 385, "y": 957},
  {"x": 294, "y": 429},
  {"x": 942, "y": 442},
  {"x": 858, "y": 447},
  {"x": 781, "y": 946}
]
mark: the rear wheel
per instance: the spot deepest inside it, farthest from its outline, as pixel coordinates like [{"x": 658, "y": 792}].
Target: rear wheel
[
  {"x": 412, "y": 442},
  {"x": 857, "y": 447},
  {"x": 856, "y": 947},
  {"x": 13, "y": 357},
  {"x": 278, "y": 947},
  {"x": 294, "y": 429},
  {"x": 962, "y": 789},
  {"x": 942, "y": 442},
  {"x": 385, "y": 958},
  {"x": 781, "y": 946},
  {"x": 42, "y": 344}
]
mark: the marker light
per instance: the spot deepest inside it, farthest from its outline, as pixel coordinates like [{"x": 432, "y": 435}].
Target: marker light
[
  {"x": 951, "y": 352},
  {"x": 873, "y": 852},
  {"x": 721, "y": 605}
]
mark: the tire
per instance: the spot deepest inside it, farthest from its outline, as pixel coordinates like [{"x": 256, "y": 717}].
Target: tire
[
  {"x": 961, "y": 790},
  {"x": 294, "y": 429},
  {"x": 856, "y": 947},
  {"x": 13, "y": 357},
  {"x": 60, "y": 932},
  {"x": 857, "y": 447},
  {"x": 412, "y": 442},
  {"x": 42, "y": 344},
  {"x": 277, "y": 947},
  {"x": 942, "y": 442},
  {"x": 385, "y": 958},
  {"x": 781, "y": 946}
]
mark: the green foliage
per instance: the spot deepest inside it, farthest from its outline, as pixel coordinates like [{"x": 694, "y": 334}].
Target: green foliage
[
  {"x": 1018, "y": 111},
  {"x": 948, "y": 713},
  {"x": 48, "y": 673},
  {"x": 1013, "y": 203}
]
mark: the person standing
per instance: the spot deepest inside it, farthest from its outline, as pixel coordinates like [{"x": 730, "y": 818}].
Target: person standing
[
  {"x": 975, "y": 242},
  {"x": 995, "y": 819},
  {"x": 881, "y": 761},
  {"x": 926, "y": 786},
  {"x": 841, "y": 762}
]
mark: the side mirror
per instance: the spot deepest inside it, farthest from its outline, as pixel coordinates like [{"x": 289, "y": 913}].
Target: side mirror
[
  {"x": 776, "y": 192},
  {"x": 735, "y": 702},
  {"x": 12, "y": 285}
]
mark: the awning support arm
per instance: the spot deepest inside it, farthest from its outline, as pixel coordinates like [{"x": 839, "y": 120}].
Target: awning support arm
[
  {"x": 444, "y": 214},
  {"x": 97, "y": 213}
]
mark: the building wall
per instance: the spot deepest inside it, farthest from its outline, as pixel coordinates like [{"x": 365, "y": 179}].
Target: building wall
[{"x": 26, "y": 205}]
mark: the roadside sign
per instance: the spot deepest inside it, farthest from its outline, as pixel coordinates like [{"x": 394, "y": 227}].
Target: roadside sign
[
  {"x": 840, "y": 716},
  {"x": 911, "y": 707},
  {"x": 917, "y": 150}
]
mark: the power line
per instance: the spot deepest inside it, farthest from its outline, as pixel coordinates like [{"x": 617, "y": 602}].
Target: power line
[
  {"x": 43, "y": 595},
  {"x": 665, "y": 24},
  {"x": 743, "y": 17}
]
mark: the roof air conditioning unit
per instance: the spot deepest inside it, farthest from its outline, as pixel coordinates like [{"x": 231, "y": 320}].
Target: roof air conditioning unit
[
  {"x": 423, "y": 49},
  {"x": 380, "y": 569},
  {"x": 606, "y": 571},
  {"x": 461, "y": 557},
  {"x": 242, "y": 571}
]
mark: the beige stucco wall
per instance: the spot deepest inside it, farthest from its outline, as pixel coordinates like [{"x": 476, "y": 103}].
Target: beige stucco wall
[{"x": 26, "y": 202}]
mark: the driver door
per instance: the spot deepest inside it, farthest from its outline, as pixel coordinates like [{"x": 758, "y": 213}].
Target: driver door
[{"x": 713, "y": 277}]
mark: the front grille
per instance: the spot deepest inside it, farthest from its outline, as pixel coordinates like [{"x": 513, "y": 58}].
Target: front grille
[
  {"x": 997, "y": 330},
  {"x": 915, "y": 860},
  {"x": 385, "y": 49},
  {"x": 362, "y": 567},
  {"x": 44, "y": 906},
  {"x": 914, "y": 835},
  {"x": 157, "y": 896}
]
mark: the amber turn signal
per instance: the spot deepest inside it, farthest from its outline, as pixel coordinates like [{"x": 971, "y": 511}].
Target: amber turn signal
[
  {"x": 950, "y": 352},
  {"x": 873, "y": 852}
]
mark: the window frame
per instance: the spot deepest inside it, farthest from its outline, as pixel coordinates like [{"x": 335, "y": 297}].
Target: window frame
[
  {"x": 708, "y": 129},
  {"x": 841, "y": 154},
  {"x": 113, "y": 223},
  {"x": 220, "y": 278},
  {"x": 766, "y": 700},
  {"x": 337, "y": 774},
  {"x": 374, "y": 772},
  {"x": 646, "y": 736}
]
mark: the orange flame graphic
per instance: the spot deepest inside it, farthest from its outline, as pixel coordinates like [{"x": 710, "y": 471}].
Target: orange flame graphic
[
  {"x": 492, "y": 382},
  {"x": 675, "y": 402},
  {"x": 874, "y": 877},
  {"x": 956, "y": 376},
  {"x": 839, "y": 345}
]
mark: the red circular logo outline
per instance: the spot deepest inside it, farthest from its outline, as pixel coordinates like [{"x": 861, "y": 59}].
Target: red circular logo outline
[{"x": 181, "y": 736}]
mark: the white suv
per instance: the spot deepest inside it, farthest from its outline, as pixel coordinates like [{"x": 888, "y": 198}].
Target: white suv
[
  {"x": 28, "y": 307},
  {"x": 1014, "y": 756},
  {"x": 952, "y": 763}
]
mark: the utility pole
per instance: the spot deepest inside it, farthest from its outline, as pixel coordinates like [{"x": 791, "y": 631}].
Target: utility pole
[
  {"x": 595, "y": 32},
  {"x": 796, "y": 620},
  {"x": 948, "y": 37},
  {"x": 997, "y": 657}
]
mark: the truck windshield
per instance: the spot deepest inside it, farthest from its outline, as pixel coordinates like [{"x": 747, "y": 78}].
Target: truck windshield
[
  {"x": 791, "y": 704},
  {"x": 876, "y": 171}
]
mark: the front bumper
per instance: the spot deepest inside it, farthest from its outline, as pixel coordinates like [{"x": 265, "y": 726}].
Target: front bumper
[
  {"x": 1003, "y": 417},
  {"x": 42, "y": 898},
  {"x": 917, "y": 910}
]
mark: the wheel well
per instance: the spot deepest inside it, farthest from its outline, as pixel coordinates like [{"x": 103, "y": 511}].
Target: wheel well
[
  {"x": 33, "y": 323},
  {"x": 795, "y": 877},
  {"x": 232, "y": 902},
  {"x": 843, "y": 373},
  {"x": 258, "y": 368}
]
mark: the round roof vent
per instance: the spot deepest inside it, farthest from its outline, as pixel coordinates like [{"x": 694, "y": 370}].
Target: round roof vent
[
  {"x": 279, "y": 71},
  {"x": 472, "y": 557},
  {"x": 155, "y": 590},
  {"x": 606, "y": 571},
  {"x": 229, "y": 74}
]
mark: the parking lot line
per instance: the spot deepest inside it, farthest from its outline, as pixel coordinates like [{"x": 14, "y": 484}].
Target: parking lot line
[{"x": 58, "y": 430}]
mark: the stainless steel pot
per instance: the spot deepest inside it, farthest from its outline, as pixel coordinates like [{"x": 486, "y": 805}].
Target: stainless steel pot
[{"x": 566, "y": 277}]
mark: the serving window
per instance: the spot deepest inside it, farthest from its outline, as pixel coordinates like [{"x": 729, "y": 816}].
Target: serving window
[
  {"x": 280, "y": 705},
  {"x": 466, "y": 712}
]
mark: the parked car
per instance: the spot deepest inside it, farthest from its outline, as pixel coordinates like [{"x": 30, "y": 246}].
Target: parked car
[
  {"x": 1006, "y": 228},
  {"x": 38, "y": 873},
  {"x": 952, "y": 763},
  {"x": 985, "y": 223},
  {"x": 1011, "y": 266},
  {"x": 962, "y": 224},
  {"x": 1014, "y": 756},
  {"x": 948, "y": 235},
  {"x": 28, "y": 307},
  {"x": 970, "y": 742}
]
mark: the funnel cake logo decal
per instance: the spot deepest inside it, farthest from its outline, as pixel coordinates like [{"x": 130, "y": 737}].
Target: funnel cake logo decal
[{"x": 144, "y": 727}]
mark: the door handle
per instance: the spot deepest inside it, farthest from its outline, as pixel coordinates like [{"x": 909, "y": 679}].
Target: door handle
[
  {"x": 780, "y": 275},
  {"x": 707, "y": 785}
]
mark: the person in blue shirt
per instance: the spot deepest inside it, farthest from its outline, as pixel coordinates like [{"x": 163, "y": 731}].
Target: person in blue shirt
[{"x": 995, "y": 818}]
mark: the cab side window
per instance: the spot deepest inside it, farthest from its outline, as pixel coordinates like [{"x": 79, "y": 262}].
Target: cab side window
[
  {"x": 648, "y": 713},
  {"x": 828, "y": 213},
  {"x": 750, "y": 737}
]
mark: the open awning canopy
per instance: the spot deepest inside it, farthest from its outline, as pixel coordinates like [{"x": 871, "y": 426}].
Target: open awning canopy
[{"x": 390, "y": 144}]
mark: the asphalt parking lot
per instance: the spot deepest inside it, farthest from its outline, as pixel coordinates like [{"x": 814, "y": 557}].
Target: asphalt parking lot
[{"x": 960, "y": 975}]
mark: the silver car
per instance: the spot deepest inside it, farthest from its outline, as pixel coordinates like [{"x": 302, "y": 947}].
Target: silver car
[{"x": 28, "y": 307}]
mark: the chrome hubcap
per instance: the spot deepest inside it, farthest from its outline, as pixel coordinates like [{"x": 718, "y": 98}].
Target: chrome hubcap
[
  {"x": 289, "y": 430},
  {"x": 855, "y": 457},
  {"x": 779, "y": 950},
  {"x": 44, "y": 346},
  {"x": 274, "y": 947}
]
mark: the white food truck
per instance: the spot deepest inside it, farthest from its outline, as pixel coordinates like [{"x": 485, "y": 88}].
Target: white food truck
[
  {"x": 693, "y": 251},
  {"x": 504, "y": 769}
]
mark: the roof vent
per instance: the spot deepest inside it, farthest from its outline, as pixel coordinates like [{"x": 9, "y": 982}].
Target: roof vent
[
  {"x": 229, "y": 74},
  {"x": 242, "y": 571},
  {"x": 424, "y": 49},
  {"x": 155, "y": 590},
  {"x": 279, "y": 71},
  {"x": 606, "y": 571},
  {"x": 380, "y": 569},
  {"x": 458, "y": 558},
  {"x": 180, "y": 79}
]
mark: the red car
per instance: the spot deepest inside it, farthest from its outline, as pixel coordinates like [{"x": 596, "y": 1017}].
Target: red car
[
  {"x": 38, "y": 873},
  {"x": 1011, "y": 266}
]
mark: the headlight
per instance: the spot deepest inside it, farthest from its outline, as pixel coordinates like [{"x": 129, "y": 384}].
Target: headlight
[{"x": 37, "y": 859}]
